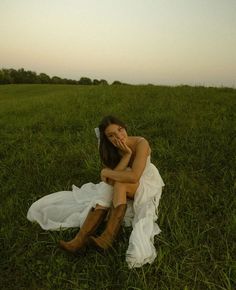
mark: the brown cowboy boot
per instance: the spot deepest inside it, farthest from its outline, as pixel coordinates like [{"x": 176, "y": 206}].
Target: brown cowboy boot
[
  {"x": 113, "y": 225},
  {"x": 91, "y": 223}
]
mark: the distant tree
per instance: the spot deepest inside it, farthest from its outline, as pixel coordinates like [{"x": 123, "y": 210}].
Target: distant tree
[
  {"x": 13, "y": 75},
  {"x": 1, "y": 77},
  {"x": 96, "y": 82},
  {"x": 103, "y": 82},
  {"x": 70, "y": 82},
  {"x": 21, "y": 76},
  {"x": 44, "y": 78},
  {"x": 85, "y": 81},
  {"x": 31, "y": 77},
  {"x": 64, "y": 81},
  {"x": 6, "y": 78},
  {"x": 117, "y": 83},
  {"x": 56, "y": 80},
  {"x": 100, "y": 82}
]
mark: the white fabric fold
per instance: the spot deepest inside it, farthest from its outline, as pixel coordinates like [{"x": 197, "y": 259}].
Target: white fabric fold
[{"x": 141, "y": 248}]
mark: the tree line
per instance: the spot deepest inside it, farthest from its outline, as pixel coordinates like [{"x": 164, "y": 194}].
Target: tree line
[{"x": 22, "y": 76}]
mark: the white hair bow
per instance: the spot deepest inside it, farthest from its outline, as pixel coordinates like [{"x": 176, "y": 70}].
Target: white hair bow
[{"x": 97, "y": 132}]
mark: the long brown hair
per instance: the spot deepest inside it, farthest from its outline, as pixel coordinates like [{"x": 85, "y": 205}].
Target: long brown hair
[{"x": 109, "y": 154}]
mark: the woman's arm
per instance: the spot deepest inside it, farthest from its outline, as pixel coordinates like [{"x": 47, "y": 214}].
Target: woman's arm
[
  {"x": 126, "y": 155},
  {"x": 122, "y": 165},
  {"x": 124, "y": 162},
  {"x": 132, "y": 176}
]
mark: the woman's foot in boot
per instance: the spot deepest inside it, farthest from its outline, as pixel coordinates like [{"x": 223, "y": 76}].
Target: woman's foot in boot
[
  {"x": 113, "y": 225},
  {"x": 91, "y": 223}
]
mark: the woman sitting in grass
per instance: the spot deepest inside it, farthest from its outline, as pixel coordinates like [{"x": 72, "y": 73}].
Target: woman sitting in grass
[{"x": 128, "y": 176}]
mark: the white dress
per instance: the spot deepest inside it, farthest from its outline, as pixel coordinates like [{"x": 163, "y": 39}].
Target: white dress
[{"x": 65, "y": 209}]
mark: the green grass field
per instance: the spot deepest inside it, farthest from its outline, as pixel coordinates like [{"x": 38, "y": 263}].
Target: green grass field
[{"x": 47, "y": 143}]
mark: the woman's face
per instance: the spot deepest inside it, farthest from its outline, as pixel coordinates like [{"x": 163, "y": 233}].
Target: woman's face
[{"x": 116, "y": 132}]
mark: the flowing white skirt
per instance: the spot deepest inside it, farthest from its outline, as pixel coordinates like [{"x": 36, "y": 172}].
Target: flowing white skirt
[{"x": 65, "y": 209}]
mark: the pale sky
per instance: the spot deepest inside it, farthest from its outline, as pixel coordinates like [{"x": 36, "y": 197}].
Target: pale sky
[{"x": 167, "y": 42}]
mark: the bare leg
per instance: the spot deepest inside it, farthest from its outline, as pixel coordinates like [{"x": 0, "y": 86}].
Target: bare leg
[
  {"x": 122, "y": 191},
  {"x": 117, "y": 213}
]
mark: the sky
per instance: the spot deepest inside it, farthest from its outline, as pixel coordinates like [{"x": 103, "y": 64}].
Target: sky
[{"x": 163, "y": 42}]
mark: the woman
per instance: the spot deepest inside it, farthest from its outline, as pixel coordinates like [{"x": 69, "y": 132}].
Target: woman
[
  {"x": 128, "y": 174},
  {"x": 119, "y": 152}
]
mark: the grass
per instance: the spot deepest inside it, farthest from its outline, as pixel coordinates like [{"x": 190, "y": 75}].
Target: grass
[{"x": 48, "y": 143}]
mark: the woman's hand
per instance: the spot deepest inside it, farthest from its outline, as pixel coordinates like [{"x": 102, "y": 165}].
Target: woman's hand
[
  {"x": 104, "y": 176},
  {"x": 123, "y": 147}
]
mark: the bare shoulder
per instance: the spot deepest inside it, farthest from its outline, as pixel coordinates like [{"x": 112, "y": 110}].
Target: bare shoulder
[
  {"x": 142, "y": 145},
  {"x": 142, "y": 151}
]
